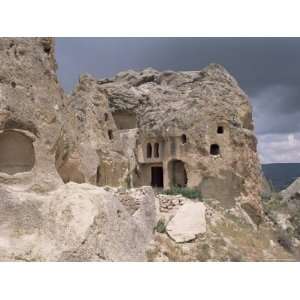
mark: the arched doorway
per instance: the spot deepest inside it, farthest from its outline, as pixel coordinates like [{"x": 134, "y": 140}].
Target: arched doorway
[
  {"x": 177, "y": 173},
  {"x": 16, "y": 152}
]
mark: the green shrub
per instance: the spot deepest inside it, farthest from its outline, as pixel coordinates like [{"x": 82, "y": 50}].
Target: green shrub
[
  {"x": 190, "y": 193},
  {"x": 275, "y": 203},
  {"x": 160, "y": 226}
]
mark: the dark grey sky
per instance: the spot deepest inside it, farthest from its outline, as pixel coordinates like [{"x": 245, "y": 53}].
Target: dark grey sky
[{"x": 266, "y": 68}]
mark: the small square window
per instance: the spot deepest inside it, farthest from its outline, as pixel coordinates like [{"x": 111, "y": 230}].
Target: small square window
[
  {"x": 214, "y": 149},
  {"x": 220, "y": 130}
]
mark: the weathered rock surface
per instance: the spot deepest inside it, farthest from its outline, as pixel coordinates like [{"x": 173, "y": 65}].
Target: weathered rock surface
[
  {"x": 188, "y": 222},
  {"x": 30, "y": 99},
  {"x": 90, "y": 148},
  {"x": 199, "y": 119},
  {"x": 74, "y": 223},
  {"x": 230, "y": 236},
  {"x": 46, "y": 136},
  {"x": 199, "y": 128}
]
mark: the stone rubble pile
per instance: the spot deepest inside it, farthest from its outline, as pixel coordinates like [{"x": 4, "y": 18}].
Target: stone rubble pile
[{"x": 168, "y": 202}]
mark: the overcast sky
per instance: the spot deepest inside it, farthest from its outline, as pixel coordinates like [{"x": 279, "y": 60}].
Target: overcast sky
[{"x": 268, "y": 69}]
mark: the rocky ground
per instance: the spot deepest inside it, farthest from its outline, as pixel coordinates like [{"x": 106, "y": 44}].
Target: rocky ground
[
  {"x": 61, "y": 154},
  {"x": 82, "y": 222},
  {"x": 229, "y": 235}
]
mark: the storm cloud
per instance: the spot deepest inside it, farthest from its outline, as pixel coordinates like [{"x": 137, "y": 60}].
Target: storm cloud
[{"x": 266, "y": 68}]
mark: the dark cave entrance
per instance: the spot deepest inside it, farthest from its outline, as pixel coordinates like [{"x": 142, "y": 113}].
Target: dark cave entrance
[
  {"x": 157, "y": 177},
  {"x": 177, "y": 173}
]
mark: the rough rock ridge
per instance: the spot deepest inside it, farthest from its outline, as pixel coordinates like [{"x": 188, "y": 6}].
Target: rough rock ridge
[
  {"x": 30, "y": 99},
  {"x": 196, "y": 126}
]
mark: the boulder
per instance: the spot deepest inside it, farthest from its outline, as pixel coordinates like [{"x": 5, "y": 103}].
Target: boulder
[
  {"x": 77, "y": 222},
  {"x": 188, "y": 222}
]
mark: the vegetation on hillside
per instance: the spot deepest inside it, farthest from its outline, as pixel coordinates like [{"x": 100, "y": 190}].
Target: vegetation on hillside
[{"x": 191, "y": 193}]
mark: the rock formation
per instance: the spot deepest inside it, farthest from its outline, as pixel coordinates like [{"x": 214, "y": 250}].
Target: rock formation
[
  {"x": 73, "y": 167},
  {"x": 30, "y": 99},
  {"x": 194, "y": 129},
  {"x": 48, "y": 139},
  {"x": 90, "y": 148},
  {"x": 75, "y": 223}
]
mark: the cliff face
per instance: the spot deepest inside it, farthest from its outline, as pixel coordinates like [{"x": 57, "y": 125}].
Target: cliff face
[
  {"x": 48, "y": 137},
  {"x": 89, "y": 149},
  {"x": 30, "y": 99},
  {"x": 200, "y": 119},
  {"x": 165, "y": 129}
]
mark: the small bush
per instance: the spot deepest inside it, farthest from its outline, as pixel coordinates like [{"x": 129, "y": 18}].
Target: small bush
[
  {"x": 160, "y": 226},
  {"x": 190, "y": 193},
  {"x": 274, "y": 204},
  {"x": 265, "y": 196}
]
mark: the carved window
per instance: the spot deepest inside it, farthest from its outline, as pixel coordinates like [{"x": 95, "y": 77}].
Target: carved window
[
  {"x": 220, "y": 130},
  {"x": 214, "y": 149},
  {"x": 156, "y": 150},
  {"x": 149, "y": 150}
]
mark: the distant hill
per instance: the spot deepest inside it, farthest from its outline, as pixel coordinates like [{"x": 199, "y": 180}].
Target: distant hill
[{"x": 281, "y": 174}]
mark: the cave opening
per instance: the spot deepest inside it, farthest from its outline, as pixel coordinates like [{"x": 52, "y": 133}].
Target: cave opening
[
  {"x": 157, "y": 177},
  {"x": 16, "y": 152}
]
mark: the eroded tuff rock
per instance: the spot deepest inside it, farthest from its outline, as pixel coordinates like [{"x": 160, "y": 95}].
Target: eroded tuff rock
[
  {"x": 46, "y": 136},
  {"x": 75, "y": 223},
  {"x": 195, "y": 129},
  {"x": 188, "y": 222},
  {"x": 189, "y": 129},
  {"x": 30, "y": 98},
  {"x": 90, "y": 148}
]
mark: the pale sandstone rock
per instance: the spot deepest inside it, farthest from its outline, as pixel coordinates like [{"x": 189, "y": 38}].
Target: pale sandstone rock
[
  {"x": 59, "y": 137},
  {"x": 30, "y": 98},
  {"x": 74, "y": 223},
  {"x": 186, "y": 114},
  {"x": 188, "y": 222},
  {"x": 89, "y": 131},
  {"x": 98, "y": 135}
]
